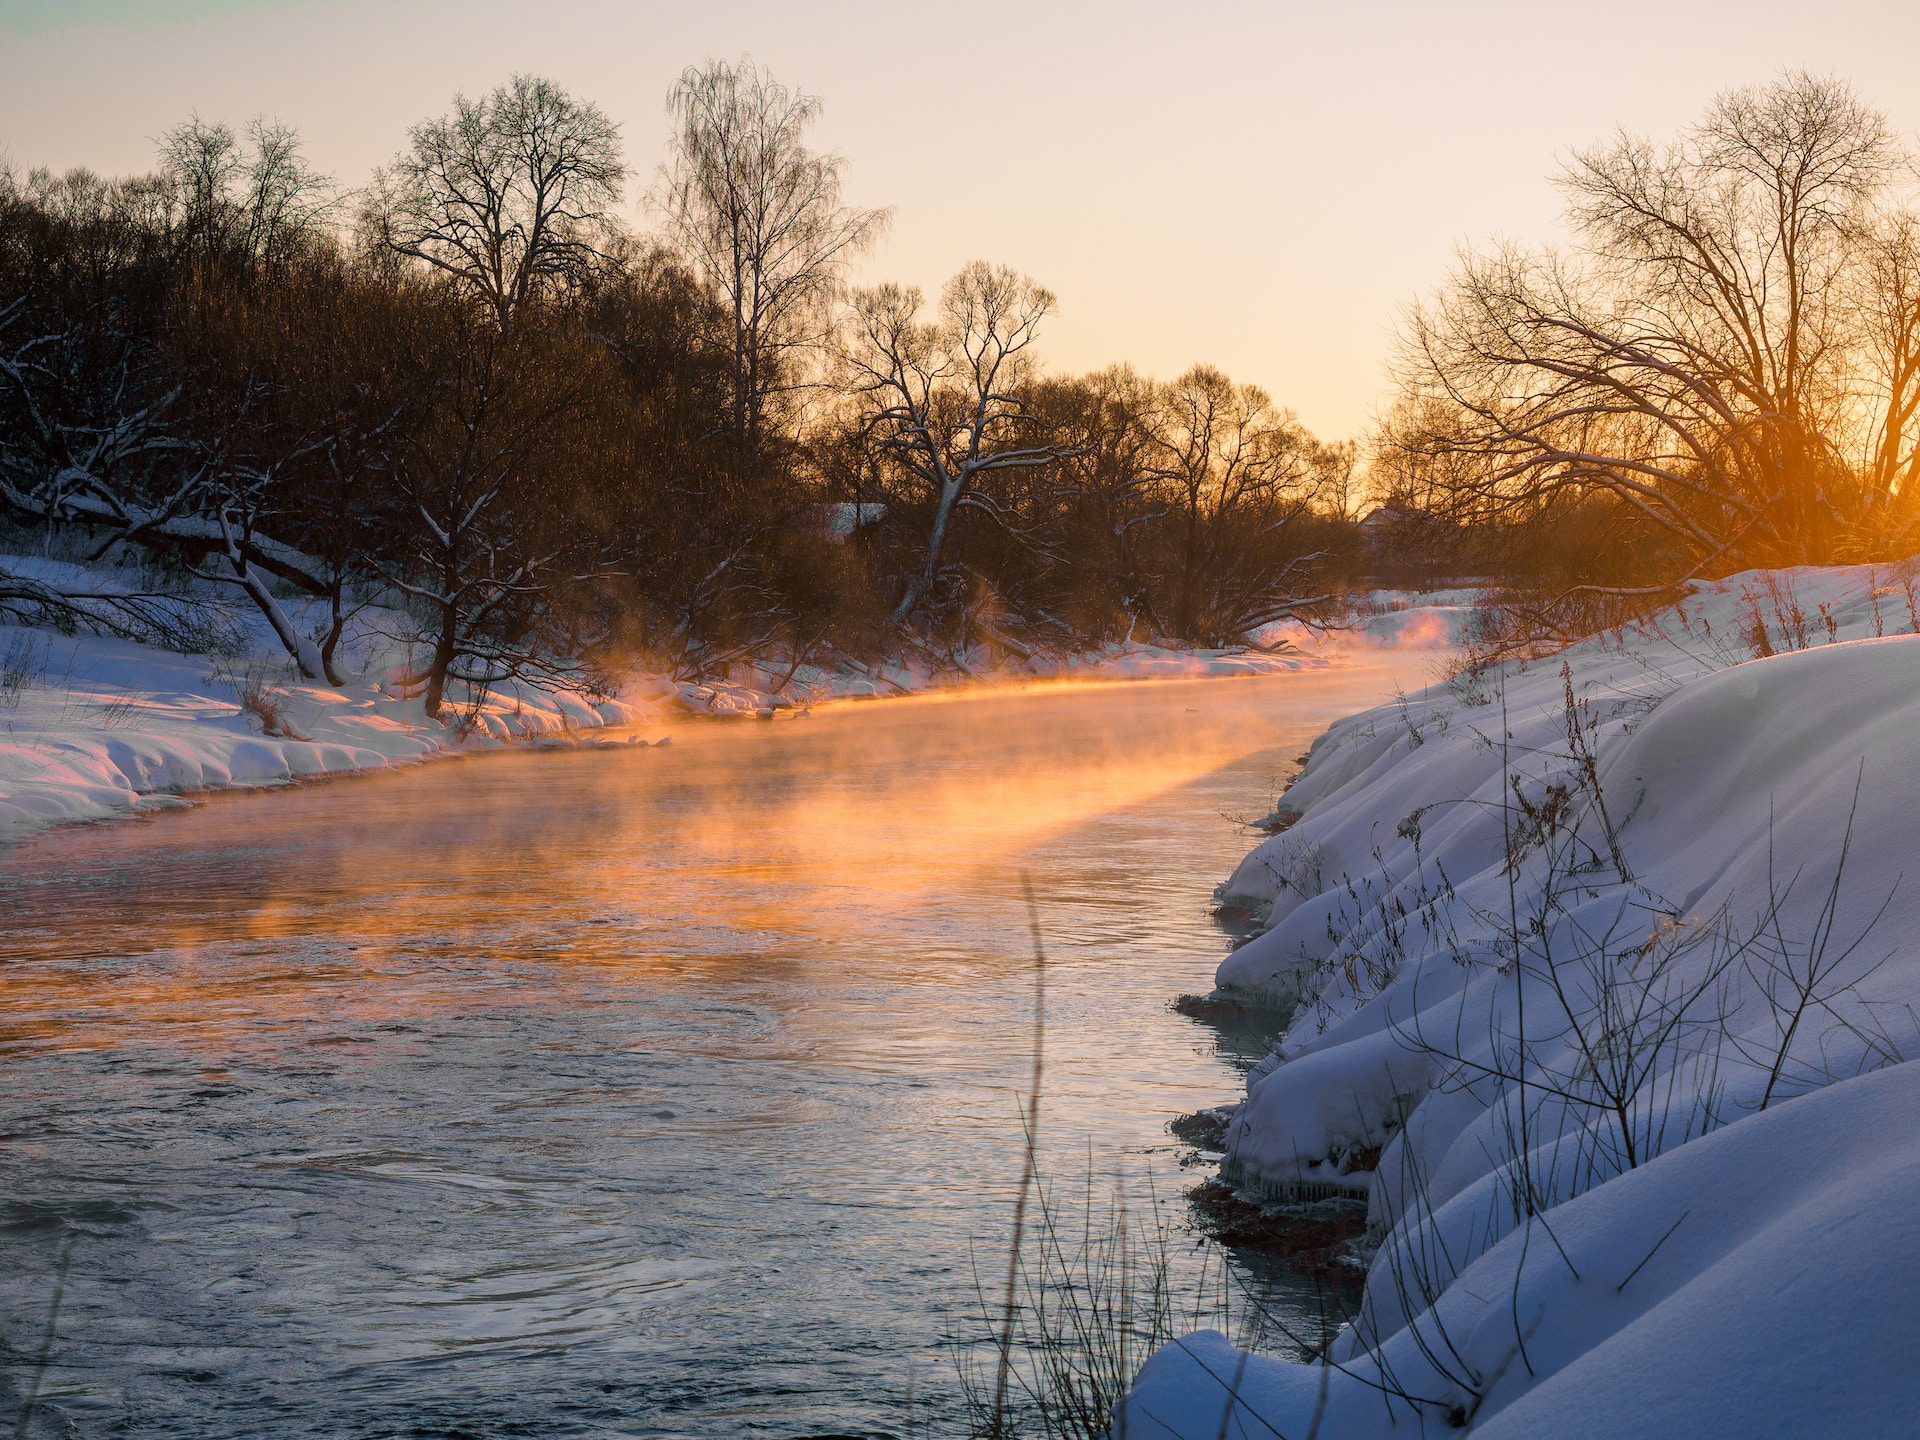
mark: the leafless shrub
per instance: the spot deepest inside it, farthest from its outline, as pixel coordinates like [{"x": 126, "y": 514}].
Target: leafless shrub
[
  {"x": 1902, "y": 579},
  {"x": 1096, "y": 1296},
  {"x": 1642, "y": 1037},
  {"x": 120, "y": 711},
  {"x": 1778, "y": 592},
  {"x": 262, "y": 701},
  {"x": 23, "y": 663},
  {"x": 1532, "y": 622},
  {"x": 1811, "y": 989},
  {"x": 1380, "y": 920},
  {"x": 184, "y": 624}
]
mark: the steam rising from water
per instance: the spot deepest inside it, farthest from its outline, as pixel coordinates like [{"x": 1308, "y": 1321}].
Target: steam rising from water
[{"x": 602, "y": 1088}]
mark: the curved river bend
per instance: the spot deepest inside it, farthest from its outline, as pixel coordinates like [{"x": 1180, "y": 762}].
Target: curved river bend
[{"x": 652, "y": 1092}]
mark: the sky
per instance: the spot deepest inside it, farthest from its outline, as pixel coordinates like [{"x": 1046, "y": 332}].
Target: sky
[{"x": 1263, "y": 187}]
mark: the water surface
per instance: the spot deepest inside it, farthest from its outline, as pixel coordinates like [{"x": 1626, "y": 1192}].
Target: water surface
[{"x": 645, "y": 1092}]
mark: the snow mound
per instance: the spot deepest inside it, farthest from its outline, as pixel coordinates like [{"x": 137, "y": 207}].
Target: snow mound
[
  {"x": 1578, "y": 946},
  {"x": 92, "y": 727},
  {"x": 1751, "y": 1283}
]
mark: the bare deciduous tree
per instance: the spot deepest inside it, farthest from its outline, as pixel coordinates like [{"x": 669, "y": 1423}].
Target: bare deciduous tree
[
  {"x": 507, "y": 195},
  {"x": 1886, "y": 293},
  {"x": 284, "y": 197},
  {"x": 1234, "y": 469},
  {"x": 1105, "y": 422},
  {"x": 1699, "y": 356},
  {"x": 944, "y": 397},
  {"x": 760, "y": 216},
  {"x": 204, "y": 164},
  {"x": 254, "y": 199}
]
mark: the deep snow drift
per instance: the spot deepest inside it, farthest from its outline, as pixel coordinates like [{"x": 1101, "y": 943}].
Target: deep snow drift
[{"x": 1606, "y": 981}]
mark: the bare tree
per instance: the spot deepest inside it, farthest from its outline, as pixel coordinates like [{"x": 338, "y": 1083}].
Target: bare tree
[
  {"x": 283, "y": 197},
  {"x": 241, "y": 500},
  {"x": 92, "y": 446},
  {"x": 1698, "y": 357},
  {"x": 508, "y": 195},
  {"x": 759, "y": 215},
  {"x": 250, "y": 200},
  {"x": 204, "y": 164},
  {"x": 1106, "y": 474},
  {"x": 475, "y": 483},
  {"x": 943, "y": 397},
  {"x": 1886, "y": 299},
  {"x": 1235, "y": 470}
]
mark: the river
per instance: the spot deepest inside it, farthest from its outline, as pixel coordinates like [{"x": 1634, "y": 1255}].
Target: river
[{"x": 649, "y": 1091}]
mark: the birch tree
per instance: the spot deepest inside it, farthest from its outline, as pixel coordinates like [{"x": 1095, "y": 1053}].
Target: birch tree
[{"x": 760, "y": 216}]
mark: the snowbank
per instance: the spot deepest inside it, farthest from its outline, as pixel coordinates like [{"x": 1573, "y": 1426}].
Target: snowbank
[
  {"x": 1573, "y": 950},
  {"x": 92, "y": 727},
  {"x": 1776, "y": 1305}
]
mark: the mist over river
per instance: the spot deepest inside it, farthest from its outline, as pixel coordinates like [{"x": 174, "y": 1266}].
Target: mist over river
[{"x": 610, "y": 1092}]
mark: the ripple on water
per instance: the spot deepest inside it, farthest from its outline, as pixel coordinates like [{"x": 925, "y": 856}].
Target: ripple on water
[{"x": 360, "y": 1120}]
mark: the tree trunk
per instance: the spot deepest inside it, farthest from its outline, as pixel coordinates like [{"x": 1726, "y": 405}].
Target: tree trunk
[
  {"x": 335, "y": 628},
  {"x": 949, "y": 497},
  {"x": 443, "y": 653},
  {"x": 297, "y": 645}
]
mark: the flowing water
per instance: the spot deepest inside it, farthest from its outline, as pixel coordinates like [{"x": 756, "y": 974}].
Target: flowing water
[{"x": 637, "y": 1092}]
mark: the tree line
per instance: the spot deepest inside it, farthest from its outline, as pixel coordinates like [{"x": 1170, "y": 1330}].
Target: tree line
[
  {"x": 471, "y": 411},
  {"x": 1721, "y": 370}
]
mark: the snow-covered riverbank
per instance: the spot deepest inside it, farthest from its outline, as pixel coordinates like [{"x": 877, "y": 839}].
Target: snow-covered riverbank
[
  {"x": 1607, "y": 981},
  {"x": 755, "y": 690},
  {"x": 1380, "y": 619},
  {"x": 92, "y": 727}
]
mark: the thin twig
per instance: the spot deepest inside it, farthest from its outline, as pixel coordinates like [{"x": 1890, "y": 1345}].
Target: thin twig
[
  {"x": 1028, "y": 1168},
  {"x": 46, "y": 1341}
]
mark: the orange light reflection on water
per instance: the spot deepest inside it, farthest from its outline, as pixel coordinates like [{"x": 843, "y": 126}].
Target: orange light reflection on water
[{"x": 268, "y": 920}]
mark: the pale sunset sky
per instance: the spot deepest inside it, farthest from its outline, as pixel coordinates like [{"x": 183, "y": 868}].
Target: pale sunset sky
[{"x": 1258, "y": 186}]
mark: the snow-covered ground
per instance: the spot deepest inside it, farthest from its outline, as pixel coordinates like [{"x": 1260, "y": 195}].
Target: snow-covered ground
[
  {"x": 1607, "y": 981},
  {"x": 92, "y": 727}
]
